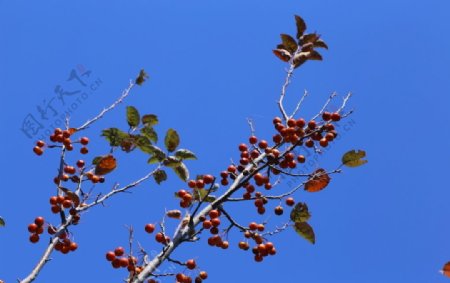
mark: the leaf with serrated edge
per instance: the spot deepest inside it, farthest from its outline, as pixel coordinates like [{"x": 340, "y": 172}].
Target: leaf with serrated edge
[
  {"x": 301, "y": 26},
  {"x": 289, "y": 43},
  {"x": 172, "y": 140},
  {"x": 133, "y": 117},
  {"x": 182, "y": 172},
  {"x": 150, "y": 119},
  {"x": 185, "y": 154},
  {"x": 160, "y": 176},
  {"x": 354, "y": 158},
  {"x": 306, "y": 231},
  {"x": 300, "y": 213}
]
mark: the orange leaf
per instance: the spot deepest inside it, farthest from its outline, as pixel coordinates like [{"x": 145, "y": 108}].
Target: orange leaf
[
  {"x": 446, "y": 269},
  {"x": 318, "y": 181},
  {"x": 105, "y": 165}
]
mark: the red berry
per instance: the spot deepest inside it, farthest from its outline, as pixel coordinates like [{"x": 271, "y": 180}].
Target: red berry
[
  {"x": 208, "y": 179},
  {"x": 323, "y": 142},
  {"x": 253, "y": 226},
  {"x": 335, "y": 116},
  {"x": 84, "y": 140},
  {"x": 191, "y": 264},
  {"x": 309, "y": 143},
  {"x": 312, "y": 124},
  {"x": 214, "y": 213},
  {"x": 32, "y": 228},
  {"x": 38, "y": 150},
  {"x": 252, "y": 139},
  {"x": 73, "y": 246},
  {"x": 326, "y": 116},
  {"x": 203, "y": 275},
  {"x": 301, "y": 158},
  {"x": 84, "y": 150},
  {"x": 279, "y": 210},
  {"x": 300, "y": 123},
  {"x": 231, "y": 168},
  {"x": 243, "y": 147},
  {"x": 263, "y": 144},
  {"x": 149, "y": 228},
  {"x": 80, "y": 163},
  {"x": 40, "y": 143},
  {"x": 215, "y": 222},
  {"x": 159, "y": 237},
  {"x": 34, "y": 238},
  {"x": 291, "y": 122},
  {"x": 200, "y": 184},
  {"x": 290, "y": 201},
  {"x": 119, "y": 251},
  {"x": 277, "y": 138},
  {"x": 224, "y": 174},
  {"x": 110, "y": 256},
  {"x": 276, "y": 120},
  {"x": 39, "y": 221},
  {"x": 207, "y": 224}
]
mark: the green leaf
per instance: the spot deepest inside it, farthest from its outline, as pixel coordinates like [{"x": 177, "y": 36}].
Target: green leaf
[
  {"x": 150, "y": 120},
  {"x": 301, "y": 26},
  {"x": 172, "y": 140},
  {"x": 160, "y": 176},
  {"x": 172, "y": 162},
  {"x": 141, "y": 77},
  {"x": 133, "y": 117},
  {"x": 306, "y": 231},
  {"x": 150, "y": 133},
  {"x": 2, "y": 222},
  {"x": 300, "y": 213},
  {"x": 158, "y": 155},
  {"x": 185, "y": 154},
  {"x": 114, "y": 136},
  {"x": 289, "y": 43},
  {"x": 354, "y": 158},
  {"x": 182, "y": 172},
  {"x": 144, "y": 144}
]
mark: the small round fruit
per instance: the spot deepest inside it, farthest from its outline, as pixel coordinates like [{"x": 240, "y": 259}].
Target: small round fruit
[
  {"x": 159, "y": 237},
  {"x": 312, "y": 124},
  {"x": 32, "y": 228},
  {"x": 309, "y": 143},
  {"x": 80, "y": 163},
  {"x": 252, "y": 139},
  {"x": 326, "y": 116},
  {"x": 119, "y": 251},
  {"x": 40, "y": 143},
  {"x": 207, "y": 224},
  {"x": 84, "y": 140},
  {"x": 34, "y": 238},
  {"x": 276, "y": 120},
  {"x": 37, "y": 150},
  {"x": 214, "y": 213},
  {"x": 278, "y": 210},
  {"x": 301, "y": 158},
  {"x": 191, "y": 264},
  {"x": 263, "y": 144},
  {"x": 208, "y": 179},
  {"x": 149, "y": 228},
  {"x": 39, "y": 221},
  {"x": 323, "y": 142},
  {"x": 110, "y": 256},
  {"x": 290, "y": 201},
  {"x": 243, "y": 147},
  {"x": 243, "y": 245},
  {"x": 84, "y": 150},
  {"x": 203, "y": 275},
  {"x": 335, "y": 117}
]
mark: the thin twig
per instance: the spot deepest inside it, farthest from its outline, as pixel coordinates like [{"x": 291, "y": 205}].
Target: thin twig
[
  {"x": 305, "y": 94},
  {"x": 232, "y": 221},
  {"x": 325, "y": 105},
  {"x": 125, "y": 93}
]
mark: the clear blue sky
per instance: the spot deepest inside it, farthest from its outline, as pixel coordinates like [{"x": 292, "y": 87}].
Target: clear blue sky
[{"x": 211, "y": 67}]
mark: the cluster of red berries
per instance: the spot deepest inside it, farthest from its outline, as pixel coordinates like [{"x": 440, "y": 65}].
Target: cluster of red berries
[
  {"x": 36, "y": 228},
  {"x": 65, "y": 245},
  {"x": 183, "y": 278},
  {"x": 63, "y": 137},
  {"x": 118, "y": 259},
  {"x": 261, "y": 249},
  {"x": 187, "y": 197},
  {"x": 59, "y": 203},
  {"x": 212, "y": 224}
]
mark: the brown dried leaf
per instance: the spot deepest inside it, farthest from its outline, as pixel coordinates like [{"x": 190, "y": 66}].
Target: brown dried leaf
[
  {"x": 284, "y": 55},
  {"x": 105, "y": 165}
]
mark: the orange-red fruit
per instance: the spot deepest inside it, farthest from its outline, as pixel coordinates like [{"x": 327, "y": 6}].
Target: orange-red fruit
[
  {"x": 243, "y": 245},
  {"x": 80, "y": 163},
  {"x": 290, "y": 201},
  {"x": 203, "y": 275},
  {"x": 278, "y": 210},
  {"x": 119, "y": 251},
  {"x": 38, "y": 150},
  {"x": 253, "y": 226},
  {"x": 40, "y": 143},
  {"x": 309, "y": 143},
  {"x": 149, "y": 228},
  {"x": 301, "y": 158},
  {"x": 55, "y": 208},
  {"x": 39, "y": 221},
  {"x": 84, "y": 150},
  {"x": 207, "y": 224},
  {"x": 252, "y": 139},
  {"x": 291, "y": 122},
  {"x": 73, "y": 246},
  {"x": 32, "y": 228},
  {"x": 312, "y": 124},
  {"x": 300, "y": 123},
  {"x": 215, "y": 222},
  {"x": 115, "y": 263},
  {"x": 214, "y": 213},
  {"x": 110, "y": 256},
  {"x": 225, "y": 245},
  {"x": 84, "y": 140},
  {"x": 191, "y": 264},
  {"x": 243, "y": 147},
  {"x": 191, "y": 184},
  {"x": 231, "y": 169},
  {"x": 335, "y": 116},
  {"x": 34, "y": 238},
  {"x": 323, "y": 142},
  {"x": 326, "y": 116},
  {"x": 263, "y": 144},
  {"x": 208, "y": 179},
  {"x": 123, "y": 262},
  {"x": 159, "y": 237},
  {"x": 276, "y": 120}
]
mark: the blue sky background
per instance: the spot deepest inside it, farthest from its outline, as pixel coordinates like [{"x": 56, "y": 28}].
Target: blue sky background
[{"x": 211, "y": 67}]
